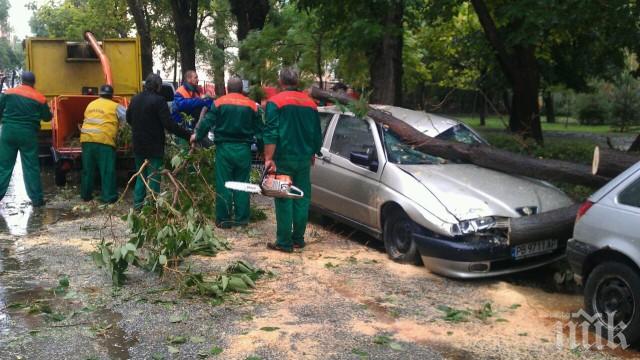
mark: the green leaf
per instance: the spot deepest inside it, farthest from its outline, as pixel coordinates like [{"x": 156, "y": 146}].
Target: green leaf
[
  {"x": 173, "y": 350},
  {"x": 64, "y": 282},
  {"x": 197, "y": 339},
  {"x": 162, "y": 259},
  {"x": 216, "y": 350},
  {"x": 360, "y": 353},
  {"x": 176, "y": 318},
  {"x": 178, "y": 339},
  {"x": 157, "y": 356},
  {"x": 269, "y": 328},
  {"x": 395, "y": 346},
  {"x": 17, "y": 305},
  {"x": 381, "y": 340}
]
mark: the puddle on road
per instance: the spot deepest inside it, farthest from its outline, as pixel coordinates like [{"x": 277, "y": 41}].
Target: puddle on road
[
  {"x": 114, "y": 339},
  {"x": 17, "y": 286},
  {"x": 17, "y": 216}
]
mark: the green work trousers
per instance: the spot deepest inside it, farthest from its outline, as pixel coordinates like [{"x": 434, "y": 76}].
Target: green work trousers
[
  {"x": 12, "y": 140},
  {"x": 104, "y": 157},
  {"x": 151, "y": 175},
  {"x": 233, "y": 163},
  {"x": 292, "y": 214}
]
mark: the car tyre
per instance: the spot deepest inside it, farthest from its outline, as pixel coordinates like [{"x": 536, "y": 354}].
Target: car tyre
[
  {"x": 398, "y": 238},
  {"x": 610, "y": 287}
]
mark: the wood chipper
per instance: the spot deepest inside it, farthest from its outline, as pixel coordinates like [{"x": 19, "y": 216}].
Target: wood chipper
[{"x": 69, "y": 75}]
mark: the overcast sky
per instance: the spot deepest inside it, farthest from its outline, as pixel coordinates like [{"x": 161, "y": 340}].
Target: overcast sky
[{"x": 19, "y": 17}]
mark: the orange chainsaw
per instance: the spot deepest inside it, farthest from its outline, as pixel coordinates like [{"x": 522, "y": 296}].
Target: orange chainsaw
[{"x": 273, "y": 185}]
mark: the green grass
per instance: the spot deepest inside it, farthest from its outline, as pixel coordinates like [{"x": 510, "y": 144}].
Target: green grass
[{"x": 572, "y": 125}]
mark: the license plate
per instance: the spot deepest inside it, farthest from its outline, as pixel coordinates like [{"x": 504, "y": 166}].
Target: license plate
[{"x": 534, "y": 248}]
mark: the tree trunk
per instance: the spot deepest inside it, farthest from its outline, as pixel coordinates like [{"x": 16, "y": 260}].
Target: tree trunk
[
  {"x": 136, "y": 8},
  {"x": 483, "y": 108},
  {"x": 635, "y": 146},
  {"x": 175, "y": 68},
  {"x": 385, "y": 59},
  {"x": 250, "y": 15},
  {"x": 549, "y": 107},
  {"x": 611, "y": 163},
  {"x": 319, "y": 68},
  {"x": 525, "y": 110},
  {"x": 218, "y": 71},
  {"x": 506, "y": 100},
  {"x": 554, "y": 224},
  {"x": 481, "y": 155},
  {"x": 185, "y": 19},
  {"x": 520, "y": 67}
]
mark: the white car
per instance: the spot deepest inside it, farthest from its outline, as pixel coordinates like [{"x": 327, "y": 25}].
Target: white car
[{"x": 453, "y": 217}]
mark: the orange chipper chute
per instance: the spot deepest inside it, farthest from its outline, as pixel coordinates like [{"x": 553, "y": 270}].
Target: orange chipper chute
[{"x": 104, "y": 60}]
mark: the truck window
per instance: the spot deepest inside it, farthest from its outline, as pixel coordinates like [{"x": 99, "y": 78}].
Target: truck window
[{"x": 631, "y": 195}]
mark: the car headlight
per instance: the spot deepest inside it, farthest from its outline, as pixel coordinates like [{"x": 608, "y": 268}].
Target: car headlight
[{"x": 472, "y": 226}]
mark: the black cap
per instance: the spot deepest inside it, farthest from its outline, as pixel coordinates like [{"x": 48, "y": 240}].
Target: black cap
[
  {"x": 28, "y": 78},
  {"x": 106, "y": 90}
]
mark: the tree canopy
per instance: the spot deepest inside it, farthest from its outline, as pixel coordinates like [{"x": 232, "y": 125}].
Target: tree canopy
[{"x": 392, "y": 49}]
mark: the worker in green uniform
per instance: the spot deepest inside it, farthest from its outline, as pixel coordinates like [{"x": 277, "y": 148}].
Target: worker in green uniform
[
  {"x": 236, "y": 121},
  {"x": 98, "y": 137},
  {"x": 292, "y": 137},
  {"x": 21, "y": 110}
]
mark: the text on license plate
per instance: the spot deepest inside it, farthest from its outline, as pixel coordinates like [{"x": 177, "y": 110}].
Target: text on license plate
[{"x": 534, "y": 248}]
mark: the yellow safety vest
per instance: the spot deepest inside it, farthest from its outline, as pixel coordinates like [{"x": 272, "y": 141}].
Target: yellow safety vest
[{"x": 100, "y": 123}]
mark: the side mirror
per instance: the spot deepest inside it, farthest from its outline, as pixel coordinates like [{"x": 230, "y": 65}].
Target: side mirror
[
  {"x": 364, "y": 159},
  {"x": 167, "y": 92}
]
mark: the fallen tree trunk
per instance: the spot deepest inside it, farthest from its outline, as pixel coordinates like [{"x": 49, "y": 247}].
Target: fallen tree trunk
[
  {"x": 611, "y": 163},
  {"x": 478, "y": 154},
  {"x": 554, "y": 224}
]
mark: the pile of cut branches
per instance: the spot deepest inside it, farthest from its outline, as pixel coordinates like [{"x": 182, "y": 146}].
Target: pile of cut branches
[{"x": 173, "y": 225}]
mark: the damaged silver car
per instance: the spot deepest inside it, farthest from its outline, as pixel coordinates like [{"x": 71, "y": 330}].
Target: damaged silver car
[{"x": 452, "y": 217}]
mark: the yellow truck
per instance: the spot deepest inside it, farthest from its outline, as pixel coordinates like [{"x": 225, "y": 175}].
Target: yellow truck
[{"x": 69, "y": 74}]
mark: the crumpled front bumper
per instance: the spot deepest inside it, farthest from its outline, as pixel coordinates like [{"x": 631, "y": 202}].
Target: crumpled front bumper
[{"x": 458, "y": 258}]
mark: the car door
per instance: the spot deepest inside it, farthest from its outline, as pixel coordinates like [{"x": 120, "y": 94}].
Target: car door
[
  {"x": 626, "y": 217},
  {"x": 319, "y": 178},
  {"x": 349, "y": 189}
]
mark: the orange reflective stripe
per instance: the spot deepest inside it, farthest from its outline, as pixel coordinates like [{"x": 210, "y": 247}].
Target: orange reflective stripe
[
  {"x": 237, "y": 100},
  {"x": 296, "y": 98},
  {"x": 184, "y": 92},
  {"x": 28, "y": 92}
]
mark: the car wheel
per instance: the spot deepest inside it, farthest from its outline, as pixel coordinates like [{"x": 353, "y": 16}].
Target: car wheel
[
  {"x": 611, "y": 294},
  {"x": 398, "y": 238}
]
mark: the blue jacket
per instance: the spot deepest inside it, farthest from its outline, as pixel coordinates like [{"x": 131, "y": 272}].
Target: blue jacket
[{"x": 188, "y": 102}]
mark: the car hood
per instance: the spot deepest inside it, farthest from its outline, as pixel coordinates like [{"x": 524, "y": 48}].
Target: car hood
[{"x": 469, "y": 191}]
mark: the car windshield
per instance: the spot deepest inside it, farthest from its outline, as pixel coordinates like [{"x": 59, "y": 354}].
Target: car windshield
[
  {"x": 399, "y": 152},
  {"x": 460, "y": 133}
]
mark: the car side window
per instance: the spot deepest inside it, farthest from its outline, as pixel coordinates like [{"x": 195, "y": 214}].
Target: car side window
[
  {"x": 352, "y": 135},
  {"x": 325, "y": 119},
  {"x": 631, "y": 195}
]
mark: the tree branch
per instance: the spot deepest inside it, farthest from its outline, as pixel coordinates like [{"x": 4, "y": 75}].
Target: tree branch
[{"x": 491, "y": 32}]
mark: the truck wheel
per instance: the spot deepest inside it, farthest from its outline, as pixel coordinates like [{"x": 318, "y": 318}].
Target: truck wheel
[
  {"x": 398, "y": 238},
  {"x": 612, "y": 294},
  {"x": 60, "y": 177}
]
